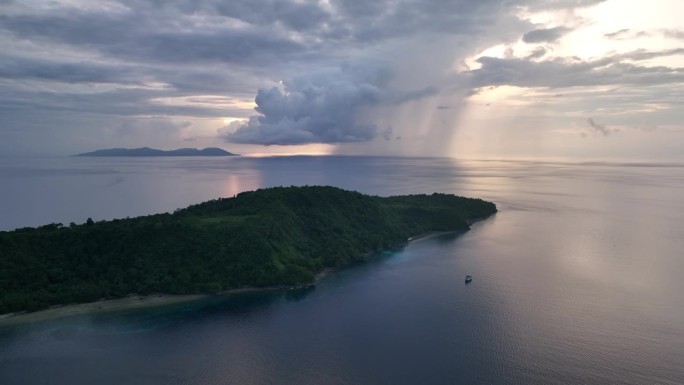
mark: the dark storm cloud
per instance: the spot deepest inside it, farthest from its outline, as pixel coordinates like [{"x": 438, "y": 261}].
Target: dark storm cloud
[
  {"x": 549, "y": 35},
  {"x": 172, "y": 49},
  {"x": 216, "y": 81},
  {"x": 371, "y": 21},
  {"x": 141, "y": 58},
  {"x": 68, "y": 72},
  {"x": 294, "y": 15},
  {"x": 176, "y": 81},
  {"x": 137, "y": 37},
  {"x": 121, "y": 102},
  {"x": 247, "y": 36},
  {"x": 297, "y": 16},
  {"x": 313, "y": 109},
  {"x": 408, "y": 96},
  {"x": 279, "y": 30}
]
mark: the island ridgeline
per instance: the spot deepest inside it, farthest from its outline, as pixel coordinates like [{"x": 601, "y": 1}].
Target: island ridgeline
[
  {"x": 269, "y": 237},
  {"x": 152, "y": 152}
]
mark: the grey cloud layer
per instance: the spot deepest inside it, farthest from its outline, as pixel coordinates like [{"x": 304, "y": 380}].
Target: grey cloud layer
[
  {"x": 545, "y": 35},
  {"x": 118, "y": 59},
  {"x": 268, "y": 40},
  {"x": 571, "y": 72},
  {"x": 321, "y": 108},
  {"x": 311, "y": 110},
  {"x": 627, "y": 34}
]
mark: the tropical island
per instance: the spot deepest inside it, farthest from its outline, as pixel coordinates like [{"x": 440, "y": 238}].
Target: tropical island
[
  {"x": 146, "y": 151},
  {"x": 275, "y": 237}
]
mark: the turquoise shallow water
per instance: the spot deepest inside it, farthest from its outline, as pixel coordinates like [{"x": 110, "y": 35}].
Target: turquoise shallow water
[{"x": 576, "y": 280}]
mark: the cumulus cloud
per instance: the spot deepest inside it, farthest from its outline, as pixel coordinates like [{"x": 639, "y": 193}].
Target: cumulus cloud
[
  {"x": 549, "y": 35},
  {"x": 320, "y": 108}
]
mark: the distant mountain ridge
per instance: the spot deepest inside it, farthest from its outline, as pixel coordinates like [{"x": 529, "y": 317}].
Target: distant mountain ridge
[{"x": 146, "y": 151}]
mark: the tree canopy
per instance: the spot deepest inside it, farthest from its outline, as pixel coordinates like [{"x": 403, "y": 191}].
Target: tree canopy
[{"x": 269, "y": 237}]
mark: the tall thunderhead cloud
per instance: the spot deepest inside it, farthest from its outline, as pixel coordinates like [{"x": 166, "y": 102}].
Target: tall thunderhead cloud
[
  {"x": 319, "y": 108},
  {"x": 418, "y": 42}
]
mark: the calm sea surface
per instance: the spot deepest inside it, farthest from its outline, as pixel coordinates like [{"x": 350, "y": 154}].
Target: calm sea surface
[{"x": 579, "y": 279}]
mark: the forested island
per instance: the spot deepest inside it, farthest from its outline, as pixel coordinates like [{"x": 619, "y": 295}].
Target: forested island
[
  {"x": 146, "y": 151},
  {"x": 269, "y": 237}
]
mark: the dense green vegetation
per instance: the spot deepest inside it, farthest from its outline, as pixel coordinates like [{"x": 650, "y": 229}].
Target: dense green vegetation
[{"x": 268, "y": 237}]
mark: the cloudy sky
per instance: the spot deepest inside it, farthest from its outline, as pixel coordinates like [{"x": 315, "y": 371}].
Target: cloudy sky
[{"x": 579, "y": 79}]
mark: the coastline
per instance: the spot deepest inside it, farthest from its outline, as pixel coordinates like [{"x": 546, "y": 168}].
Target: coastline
[
  {"x": 102, "y": 306},
  {"x": 135, "y": 301},
  {"x": 130, "y": 302}
]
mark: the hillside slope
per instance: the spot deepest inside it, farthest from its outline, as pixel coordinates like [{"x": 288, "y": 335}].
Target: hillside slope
[{"x": 269, "y": 237}]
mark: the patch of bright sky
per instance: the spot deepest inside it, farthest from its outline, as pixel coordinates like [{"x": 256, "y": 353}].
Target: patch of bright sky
[
  {"x": 645, "y": 21},
  {"x": 218, "y": 101},
  {"x": 306, "y": 150},
  {"x": 547, "y": 122},
  {"x": 501, "y": 95}
]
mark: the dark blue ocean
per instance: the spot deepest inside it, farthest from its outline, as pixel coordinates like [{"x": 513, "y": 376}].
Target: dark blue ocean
[{"x": 579, "y": 279}]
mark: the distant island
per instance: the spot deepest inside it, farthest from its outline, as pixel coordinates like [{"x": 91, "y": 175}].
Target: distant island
[
  {"x": 275, "y": 237},
  {"x": 146, "y": 151}
]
